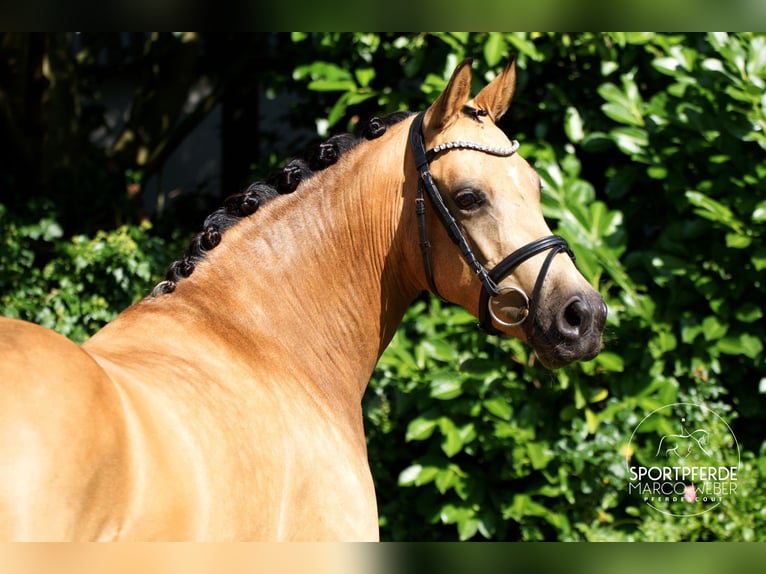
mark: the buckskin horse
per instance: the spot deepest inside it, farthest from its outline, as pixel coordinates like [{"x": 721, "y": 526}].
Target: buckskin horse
[{"x": 226, "y": 405}]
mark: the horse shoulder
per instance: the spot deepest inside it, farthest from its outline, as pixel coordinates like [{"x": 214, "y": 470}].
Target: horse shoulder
[
  {"x": 63, "y": 461},
  {"x": 234, "y": 434}
]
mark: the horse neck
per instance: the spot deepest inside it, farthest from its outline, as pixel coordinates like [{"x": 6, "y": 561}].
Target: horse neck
[{"x": 320, "y": 278}]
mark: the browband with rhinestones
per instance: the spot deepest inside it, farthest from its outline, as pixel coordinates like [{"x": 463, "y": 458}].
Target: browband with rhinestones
[{"x": 492, "y": 150}]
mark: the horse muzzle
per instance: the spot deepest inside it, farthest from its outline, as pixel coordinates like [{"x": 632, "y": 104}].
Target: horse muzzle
[{"x": 571, "y": 332}]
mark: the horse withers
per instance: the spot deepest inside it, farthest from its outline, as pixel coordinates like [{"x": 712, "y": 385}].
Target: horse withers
[{"x": 227, "y": 404}]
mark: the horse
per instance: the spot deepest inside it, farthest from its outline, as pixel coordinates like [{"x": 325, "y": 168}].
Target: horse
[
  {"x": 682, "y": 445},
  {"x": 226, "y": 404}
]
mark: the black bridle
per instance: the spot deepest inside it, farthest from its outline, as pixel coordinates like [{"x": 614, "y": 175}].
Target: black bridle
[{"x": 489, "y": 279}]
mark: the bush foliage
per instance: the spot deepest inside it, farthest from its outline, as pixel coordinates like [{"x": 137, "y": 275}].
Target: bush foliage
[{"x": 651, "y": 150}]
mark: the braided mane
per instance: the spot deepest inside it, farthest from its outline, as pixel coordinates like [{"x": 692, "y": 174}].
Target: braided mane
[{"x": 284, "y": 181}]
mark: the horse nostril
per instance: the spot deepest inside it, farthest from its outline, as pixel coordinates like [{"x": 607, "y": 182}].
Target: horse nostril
[
  {"x": 575, "y": 318},
  {"x": 601, "y": 318},
  {"x": 573, "y": 314}
]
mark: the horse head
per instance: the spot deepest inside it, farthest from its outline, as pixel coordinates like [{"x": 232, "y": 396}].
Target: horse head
[{"x": 485, "y": 243}]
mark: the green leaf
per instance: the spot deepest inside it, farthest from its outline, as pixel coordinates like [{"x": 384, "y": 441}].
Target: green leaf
[
  {"x": 751, "y": 345},
  {"x": 738, "y": 241},
  {"x": 622, "y": 114},
  {"x": 714, "y": 210},
  {"x": 467, "y": 433},
  {"x": 319, "y": 70},
  {"x": 463, "y": 517},
  {"x": 665, "y": 342},
  {"x": 446, "y": 389},
  {"x": 591, "y": 421},
  {"x": 499, "y": 407},
  {"x": 364, "y": 76},
  {"x": 409, "y": 475},
  {"x": 744, "y": 344},
  {"x": 439, "y": 349},
  {"x": 427, "y": 474},
  {"x": 494, "y": 48},
  {"x": 467, "y": 528},
  {"x": 525, "y": 46},
  {"x": 759, "y": 213},
  {"x": 480, "y": 367},
  {"x": 523, "y": 506},
  {"x": 450, "y": 513},
  {"x": 597, "y": 395},
  {"x": 540, "y": 454},
  {"x": 487, "y": 526},
  {"x": 447, "y": 478},
  {"x": 670, "y": 66},
  {"x": 630, "y": 140},
  {"x": 418, "y": 475},
  {"x": 610, "y": 362},
  {"x": 611, "y": 93},
  {"x": 355, "y": 98},
  {"x": 453, "y": 440},
  {"x": 573, "y": 125},
  {"x": 713, "y": 329},
  {"x": 748, "y": 313},
  {"x": 639, "y": 37},
  {"x": 332, "y": 85},
  {"x": 759, "y": 259},
  {"x": 420, "y": 429}
]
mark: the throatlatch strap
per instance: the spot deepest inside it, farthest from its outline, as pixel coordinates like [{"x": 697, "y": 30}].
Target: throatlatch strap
[{"x": 425, "y": 245}]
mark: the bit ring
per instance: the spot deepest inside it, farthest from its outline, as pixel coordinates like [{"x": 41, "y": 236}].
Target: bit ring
[{"x": 523, "y": 310}]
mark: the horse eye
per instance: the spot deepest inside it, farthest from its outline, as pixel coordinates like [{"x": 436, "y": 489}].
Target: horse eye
[{"x": 467, "y": 199}]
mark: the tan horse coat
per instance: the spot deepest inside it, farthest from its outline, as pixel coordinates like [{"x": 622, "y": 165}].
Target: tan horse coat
[{"x": 230, "y": 409}]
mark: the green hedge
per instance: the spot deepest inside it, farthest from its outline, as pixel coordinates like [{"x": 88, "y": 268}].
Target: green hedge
[
  {"x": 651, "y": 149},
  {"x": 75, "y": 285}
]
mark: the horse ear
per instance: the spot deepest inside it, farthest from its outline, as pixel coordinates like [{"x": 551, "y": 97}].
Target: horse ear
[
  {"x": 495, "y": 97},
  {"x": 447, "y": 106}
]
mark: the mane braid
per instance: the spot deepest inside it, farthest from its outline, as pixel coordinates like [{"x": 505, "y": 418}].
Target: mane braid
[{"x": 284, "y": 181}]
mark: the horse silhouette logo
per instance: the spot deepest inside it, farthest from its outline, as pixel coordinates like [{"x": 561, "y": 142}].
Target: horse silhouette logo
[
  {"x": 684, "y": 444},
  {"x": 694, "y": 466}
]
